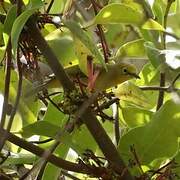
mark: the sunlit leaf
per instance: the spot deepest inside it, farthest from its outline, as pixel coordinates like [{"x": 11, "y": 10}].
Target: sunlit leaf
[
  {"x": 78, "y": 32},
  {"x": 62, "y": 45},
  {"x": 119, "y": 13},
  {"x": 131, "y": 93},
  {"x": 150, "y": 24},
  {"x": 82, "y": 52},
  {"x": 60, "y": 118},
  {"x": 17, "y": 158},
  {"x": 132, "y": 49},
  {"x": 134, "y": 116}
]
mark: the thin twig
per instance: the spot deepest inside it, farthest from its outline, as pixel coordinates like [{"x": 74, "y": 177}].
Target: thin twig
[
  {"x": 136, "y": 158},
  {"x": 158, "y": 88},
  {"x": 80, "y": 168},
  {"x": 69, "y": 175},
  {"x": 19, "y": 89},
  {"x": 14, "y": 109},
  {"x": 116, "y": 123},
  {"x": 161, "y": 93},
  {"x": 6, "y": 92},
  {"x": 172, "y": 35},
  {"x": 101, "y": 34},
  {"x": 42, "y": 142},
  {"x": 6, "y": 83},
  {"x": 106, "y": 105},
  {"x": 50, "y": 6},
  {"x": 175, "y": 79}
]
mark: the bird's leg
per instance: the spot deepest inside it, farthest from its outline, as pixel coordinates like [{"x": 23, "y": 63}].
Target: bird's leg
[{"x": 92, "y": 74}]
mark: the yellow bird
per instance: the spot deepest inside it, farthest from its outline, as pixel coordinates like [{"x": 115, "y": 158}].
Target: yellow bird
[{"x": 115, "y": 74}]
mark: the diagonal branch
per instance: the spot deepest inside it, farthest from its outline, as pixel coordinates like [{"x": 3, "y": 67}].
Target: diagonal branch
[
  {"x": 89, "y": 119},
  {"x": 80, "y": 168},
  {"x": 50, "y": 56}
]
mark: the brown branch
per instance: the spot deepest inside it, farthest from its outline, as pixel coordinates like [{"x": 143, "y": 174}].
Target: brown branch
[
  {"x": 89, "y": 119},
  {"x": 158, "y": 88},
  {"x": 6, "y": 91},
  {"x": 116, "y": 124},
  {"x": 101, "y": 34},
  {"x": 161, "y": 93},
  {"x": 14, "y": 109},
  {"x": 106, "y": 145},
  {"x": 50, "y": 57},
  {"x": 6, "y": 84},
  {"x": 79, "y": 168}
]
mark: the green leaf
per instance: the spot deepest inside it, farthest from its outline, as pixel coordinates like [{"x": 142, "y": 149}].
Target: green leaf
[
  {"x": 135, "y": 116},
  {"x": 42, "y": 128},
  {"x": 157, "y": 139},
  {"x": 21, "y": 21},
  {"x": 55, "y": 116},
  {"x": 82, "y": 140},
  {"x": 119, "y": 13},
  {"x": 18, "y": 26},
  {"x": 32, "y": 4},
  {"x": 57, "y": 7},
  {"x": 27, "y": 108},
  {"x": 153, "y": 54},
  {"x": 62, "y": 45},
  {"x": 10, "y": 18},
  {"x": 19, "y": 158},
  {"x": 80, "y": 34},
  {"x": 149, "y": 77},
  {"x": 135, "y": 5},
  {"x": 50, "y": 169},
  {"x": 150, "y": 24},
  {"x": 158, "y": 11},
  {"x": 132, "y": 49},
  {"x": 131, "y": 93}
]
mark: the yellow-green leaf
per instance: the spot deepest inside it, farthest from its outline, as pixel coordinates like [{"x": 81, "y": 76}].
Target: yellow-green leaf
[
  {"x": 132, "y": 49},
  {"x": 119, "y": 13},
  {"x": 150, "y": 24},
  {"x": 84, "y": 38},
  {"x": 133, "y": 94}
]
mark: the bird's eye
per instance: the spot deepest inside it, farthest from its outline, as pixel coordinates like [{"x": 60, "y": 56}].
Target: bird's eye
[{"x": 124, "y": 70}]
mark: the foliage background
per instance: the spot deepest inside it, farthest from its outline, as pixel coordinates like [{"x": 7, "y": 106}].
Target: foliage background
[{"x": 146, "y": 125}]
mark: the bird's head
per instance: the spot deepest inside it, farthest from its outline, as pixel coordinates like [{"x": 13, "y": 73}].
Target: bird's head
[
  {"x": 127, "y": 71},
  {"x": 116, "y": 74}
]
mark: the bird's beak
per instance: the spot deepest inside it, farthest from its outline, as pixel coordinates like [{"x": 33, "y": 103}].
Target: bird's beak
[{"x": 134, "y": 75}]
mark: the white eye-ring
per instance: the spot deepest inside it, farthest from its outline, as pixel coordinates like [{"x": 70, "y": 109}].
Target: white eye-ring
[{"x": 124, "y": 70}]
